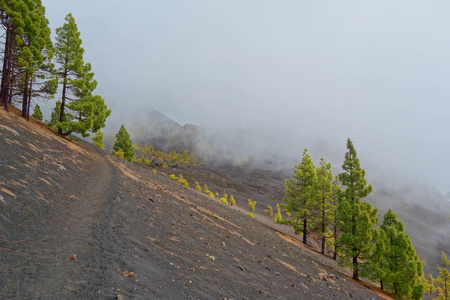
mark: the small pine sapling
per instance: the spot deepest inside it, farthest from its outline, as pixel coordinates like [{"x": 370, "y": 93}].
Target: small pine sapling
[
  {"x": 269, "y": 211},
  {"x": 444, "y": 261},
  {"x": 224, "y": 199},
  {"x": 252, "y": 205},
  {"x": 198, "y": 187},
  {"x": 278, "y": 216},
  {"x": 232, "y": 201},
  {"x": 37, "y": 114},
  {"x": 251, "y": 215},
  {"x": 154, "y": 171},
  {"x": 183, "y": 181}
]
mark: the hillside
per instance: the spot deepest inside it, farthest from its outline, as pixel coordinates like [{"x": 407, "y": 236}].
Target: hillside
[
  {"x": 424, "y": 211},
  {"x": 79, "y": 223}
]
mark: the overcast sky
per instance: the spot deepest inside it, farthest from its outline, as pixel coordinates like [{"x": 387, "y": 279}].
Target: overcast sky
[{"x": 308, "y": 71}]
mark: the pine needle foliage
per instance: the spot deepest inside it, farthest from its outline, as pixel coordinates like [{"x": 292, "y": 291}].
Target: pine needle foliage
[
  {"x": 300, "y": 196},
  {"x": 123, "y": 141},
  {"x": 97, "y": 140},
  {"x": 37, "y": 114},
  {"x": 395, "y": 262},
  {"x": 80, "y": 110},
  {"x": 356, "y": 219}
]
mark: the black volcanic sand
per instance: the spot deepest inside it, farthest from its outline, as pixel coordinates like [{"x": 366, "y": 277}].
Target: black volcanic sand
[{"x": 136, "y": 235}]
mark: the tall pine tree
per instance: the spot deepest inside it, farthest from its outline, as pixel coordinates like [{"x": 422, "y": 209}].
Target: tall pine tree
[
  {"x": 27, "y": 54},
  {"x": 356, "y": 219},
  {"x": 334, "y": 201},
  {"x": 80, "y": 110},
  {"x": 325, "y": 207},
  {"x": 13, "y": 15},
  {"x": 300, "y": 196}
]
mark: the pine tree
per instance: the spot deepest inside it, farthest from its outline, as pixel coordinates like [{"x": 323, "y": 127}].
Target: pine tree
[
  {"x": 325, "y": 207},
  {"x": 97, "y": 140},
  {"x": 356, "y": 219},
  {"x": 300, "y": 196},
  {"x": 37, "y": 114},
  {"x": 13, "y": 15},
  {"x": 395, "y": 261},
  {"x": 335, "y": 191},
  {"x": 124, "y": 142},
  {"x": 35, "y": 54},
  {"x": 442, "y": 284},
  {"x": 27, "y": 52},
  {"x": 54, "y": 118},
  {"x": 444, "y": 260},
  {"x": 80, "y": 110}
]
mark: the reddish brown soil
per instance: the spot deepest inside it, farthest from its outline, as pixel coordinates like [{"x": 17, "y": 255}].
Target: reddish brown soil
[{"x": 76, "y": 223}]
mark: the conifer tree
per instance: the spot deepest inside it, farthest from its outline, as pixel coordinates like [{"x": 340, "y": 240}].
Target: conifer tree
[
  {"x": 37, "y": 114},
  {"x": 80, "y": 110},
  {"x": 324, "y": 193},
  {"x": 442, "y": 284},
  {"x": 300, "y": 196},
  {"x": 55, "y": 115},
  {"x": 35, "y": 53},
  {"x": 12, "y": 14},
  {"x": 444, "y": 260},
  {"x": 97, "y": 140},
  {"x": 395, "y": 261},
  {"x": 335, "y": 191},
  {"x": 356, "y": 219},
  {"x": 123, "y": 142}
]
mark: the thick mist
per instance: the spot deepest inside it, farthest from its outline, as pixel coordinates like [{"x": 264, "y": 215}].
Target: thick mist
[{"x": 296, "y": 74}]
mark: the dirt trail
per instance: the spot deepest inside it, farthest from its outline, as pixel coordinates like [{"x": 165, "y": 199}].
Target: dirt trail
[{"x": 45, "y": 266}]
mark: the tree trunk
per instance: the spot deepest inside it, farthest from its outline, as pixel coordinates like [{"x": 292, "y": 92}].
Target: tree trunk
[
  {"x": 29, "y": 100},
  {"x": 6, "y": 70},
  {"x": 355, "y": 250},
  {"x": 355, "y": 268},
  {"x": 63, "y": 101},
  {"x": 25, "y": 97},
  {"x": 323, "y": 226},
  {"x": 304, "y": 230}
]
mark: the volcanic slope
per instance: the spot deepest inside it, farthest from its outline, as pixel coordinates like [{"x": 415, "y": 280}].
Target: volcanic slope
[{"x": 78, "y": 223}]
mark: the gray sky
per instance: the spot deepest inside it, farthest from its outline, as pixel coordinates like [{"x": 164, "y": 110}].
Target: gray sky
[{"x": 307, "y": 71}]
